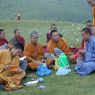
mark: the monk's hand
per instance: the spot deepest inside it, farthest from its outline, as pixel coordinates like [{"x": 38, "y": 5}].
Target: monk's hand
[
  {"x": 19, "y": 70},
  {"x": 43, "y": 60},
  {"x": 81, "y": 52},
  {"x": 38, "y": 62},
  {"x": 7, "y": 67}
]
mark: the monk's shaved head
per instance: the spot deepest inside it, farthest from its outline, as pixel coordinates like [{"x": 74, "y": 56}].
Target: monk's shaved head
[
  {"x": 34, "y": 37},
  {"x": 34, "y": 33}
]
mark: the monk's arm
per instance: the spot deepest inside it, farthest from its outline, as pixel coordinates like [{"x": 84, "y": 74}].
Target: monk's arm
[
  {"x": 65, "y": 48},
  {"x": 50, "y": 48},
  {"x": 41, "y": 53},
  {"x": 29, "y": 58}
]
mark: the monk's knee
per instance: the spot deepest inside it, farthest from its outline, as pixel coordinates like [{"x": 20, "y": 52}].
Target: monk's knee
[
  {"x": 49, "y": 62},
  {"x": 32, "y": 65}
]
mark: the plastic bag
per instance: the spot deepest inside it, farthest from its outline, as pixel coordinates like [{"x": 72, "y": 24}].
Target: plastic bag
[
  {"x": 63, "y": 71},
  {"x": 42, "y": 70},
  {"x": 63, "y": 61}
]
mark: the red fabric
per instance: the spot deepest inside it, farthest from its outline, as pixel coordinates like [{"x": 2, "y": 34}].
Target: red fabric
[
  {"x": 48, "y": 36},
  {"x": 45, "y": 49},
  {"x": 21, "y": 40},
  {"x": 82, "y": 47},
  {"x": 3, "y": 41},
  {"x": 83, "y": 44}
]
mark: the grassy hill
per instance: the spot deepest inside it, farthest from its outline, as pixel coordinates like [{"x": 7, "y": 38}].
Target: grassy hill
[{"x": 60, "y": 10}]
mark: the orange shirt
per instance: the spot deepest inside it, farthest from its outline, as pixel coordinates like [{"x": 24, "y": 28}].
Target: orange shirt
[
  {"x": 34, "y": 51},
  {"x": 61, "y": 44}
]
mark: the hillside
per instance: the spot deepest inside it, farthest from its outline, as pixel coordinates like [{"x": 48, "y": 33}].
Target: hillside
[{"x": 60, "y": 10}]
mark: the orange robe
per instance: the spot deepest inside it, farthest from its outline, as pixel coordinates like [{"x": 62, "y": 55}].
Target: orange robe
[
  {"x": 10, "y": 76},
  {"x": 93, "y": 13},
  {"x": 33, "y": 52},
  {"x": 61, "y": 44}
]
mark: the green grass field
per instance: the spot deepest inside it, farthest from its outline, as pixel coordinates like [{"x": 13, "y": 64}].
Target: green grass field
[
  {"x": 71, "y": 84},
  {"x": 59, "y": 10}
]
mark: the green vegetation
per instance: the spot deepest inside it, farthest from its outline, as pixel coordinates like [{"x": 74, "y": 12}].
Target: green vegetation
[
  {"x": 60, "y": 10},
  {"x": 71, "y": 84}
]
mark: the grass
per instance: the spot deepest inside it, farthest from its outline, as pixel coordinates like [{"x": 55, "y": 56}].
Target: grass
[
  {"x": 71, "y": 84},
  {"x": 70, "y": 31},
  {"x": 60, "y": 10}
]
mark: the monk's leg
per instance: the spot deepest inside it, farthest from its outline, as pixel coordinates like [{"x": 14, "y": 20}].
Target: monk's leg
[
  {"x": 57, "y": 51},
  {"x": 32, "y": 65},
  {"x": 23, "y": 64},
  {"x": 49, "y": 62},
  {"x": 17, "y": 77}
]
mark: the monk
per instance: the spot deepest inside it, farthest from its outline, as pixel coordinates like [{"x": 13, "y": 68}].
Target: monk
[
  {"x": 11, "y": 74},
  {"x": 52, "y": 27},
  {"x": 86, "y": 62},
  {"x": 18, "y": 39},
  {"x": 89, "y": 24},
  {"x": 83, "y": 43},
  {"x": 57, "y": 42},
  {"x": 3, "y": 40},
  {"x": 33, "y": 51}
]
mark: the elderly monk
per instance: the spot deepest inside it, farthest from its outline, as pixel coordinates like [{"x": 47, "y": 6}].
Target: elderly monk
[
  {"x": 33, "y": 51},
  {"x": 57, "y": 43},
  {"x": 11, "y": 74},
  {"x": 92, "y": 4}
]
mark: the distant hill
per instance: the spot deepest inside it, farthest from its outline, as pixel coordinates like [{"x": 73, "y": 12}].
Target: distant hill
[{"x": 64, "y": 10}]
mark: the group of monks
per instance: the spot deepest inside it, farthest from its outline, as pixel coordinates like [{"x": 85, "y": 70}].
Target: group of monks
[
  {"x": 12, "y": 69},
  {"x": 13, "y": 65}
]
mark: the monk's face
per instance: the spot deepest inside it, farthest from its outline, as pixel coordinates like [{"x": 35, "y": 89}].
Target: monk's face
[
  {"x": 85, "y": 36},
  {"x": 2, "y": 34},
  {"x": 91, "y": 2},
  {"x": 53, "y": 27},
  {"x": 34, "y": 39},
  {"x": 89, "y": 25},
  {"x": 15, "y": 52},
  {"x": 17, "y": 34},
  {"x": 55, "y": 36}
]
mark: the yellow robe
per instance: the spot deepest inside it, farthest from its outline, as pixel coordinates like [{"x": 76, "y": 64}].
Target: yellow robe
[{"x": 7, "y": 76}]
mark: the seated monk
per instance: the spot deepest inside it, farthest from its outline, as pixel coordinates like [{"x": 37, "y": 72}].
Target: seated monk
[
  {"x": 57, "y": 44},
  {"x": 86, "y": 61},
  {"x": 2, "y": 38},
  {"x": 83, "y": 43},
  {"x": 34, "y": 51},
  {"x": 18, "y": 39},
  {"x": 11, "y": 74}
]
